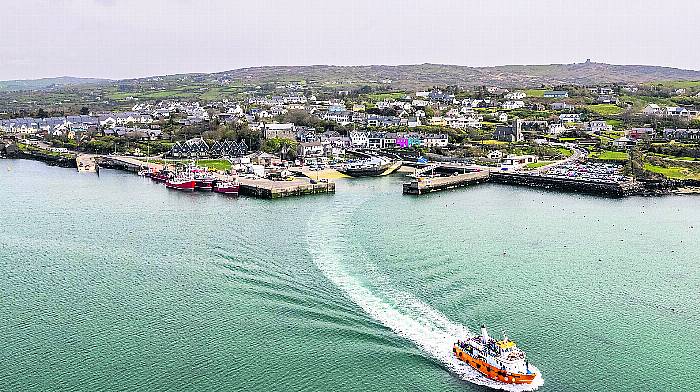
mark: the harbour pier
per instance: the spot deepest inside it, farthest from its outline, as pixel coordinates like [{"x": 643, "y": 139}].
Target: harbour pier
[
  {"x": 422, "y": 185},
  {"x": 87, "y": 163},
  {"x": 269, "y": 189},
  {"x": 126, "y": 163}
]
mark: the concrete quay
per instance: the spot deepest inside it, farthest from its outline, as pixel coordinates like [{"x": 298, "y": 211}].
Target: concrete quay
[
  {"x": 423, "y": 185},
  {"x": 269, "y": 189},
  {"x": 87, "y": 163}
]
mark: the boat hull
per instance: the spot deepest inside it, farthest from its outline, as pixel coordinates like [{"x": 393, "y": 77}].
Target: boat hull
[
  {"x": 364, "y": 171},
  {"x": 228, "y": 190},
  {"x": 203, "y": 185},
  {"x": 491, "y": 371},
  {"x": 159, "y": 177},
  {"x": 187, "y": 186}
]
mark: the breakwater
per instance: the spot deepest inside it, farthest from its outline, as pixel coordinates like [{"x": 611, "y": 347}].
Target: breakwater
[
  {"x": 51, "y": 159},
  {"x": 606, "y": 188}
]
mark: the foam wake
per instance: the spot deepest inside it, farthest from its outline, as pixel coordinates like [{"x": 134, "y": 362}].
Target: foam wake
[{"x": 401, "y": 312}]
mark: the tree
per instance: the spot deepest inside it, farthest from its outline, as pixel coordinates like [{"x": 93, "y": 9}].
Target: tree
[
  {"x": 41, "y": 113},
  {"x": 286, "y": 147},
  {"x": 84, "y": 111}
]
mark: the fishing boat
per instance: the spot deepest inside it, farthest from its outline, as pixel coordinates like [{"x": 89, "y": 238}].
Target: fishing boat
[
  {"x": 180, "y": 182},
  {"x": 161, "y": 175},
  {"x": 203, "y": 181},
  {"x": 367, "y": 167},
  {"x": 227, "y": 187},
  {"x": 499, "y": 360}
]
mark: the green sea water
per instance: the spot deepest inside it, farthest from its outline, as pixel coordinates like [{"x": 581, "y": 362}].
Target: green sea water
[{"x": 114, "y": 283}]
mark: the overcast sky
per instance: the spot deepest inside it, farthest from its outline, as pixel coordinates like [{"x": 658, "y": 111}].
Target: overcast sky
[{"x": 133, "y": 38}]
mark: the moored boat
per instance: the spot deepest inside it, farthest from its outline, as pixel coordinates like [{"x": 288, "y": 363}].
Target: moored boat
[
  {"x": 227, "y": 187},
  {"x": 499, "y": 360},
  {"x": 161, "y": 175},
  {"x": 181, "y": 183},
  {"x": 203, "y": 182},
  {"x": 365, "y": 168}
]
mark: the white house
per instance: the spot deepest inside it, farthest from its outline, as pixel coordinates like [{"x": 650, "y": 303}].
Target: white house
[
  {"x": 676, "y": 111},
  {"x": 496, "y": 155},
  {"x": 413, "y": 122},
  {"x": 311, "y": 149},
  {"x": 515, "y": 95},
  {"x": 509, "y": 105},
  {"x": 462, "y": 122},
  {"x": 599, "y": 126},
  {"x": 570, "y": 117},
  {"x": 359, "y": 139},
  {"x": 516, "y": 162},
  {"x": 652, "y": 109},
  {"x": 434, "y": 140},
  {"x": 556, "y": 128},
  {"x": 343, "y": 117}
]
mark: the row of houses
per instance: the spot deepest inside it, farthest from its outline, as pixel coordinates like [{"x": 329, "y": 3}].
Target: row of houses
[
  {"x": 653, "y": 109},
  {"x": 133, "y": 133},
  {"x": 381, "y": 140},
  {"x": 681, "y": 134},
  {"x": 334, "y": 144},
  {"x": 61, "y": 125},
  {"x": 278, "y": 100},
  {"x": 199, "y": 148}
]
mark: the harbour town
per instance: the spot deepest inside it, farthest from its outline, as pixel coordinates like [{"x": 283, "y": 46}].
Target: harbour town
[
  {"x": 591, "y": 139},
  {"x": 357, "y": 196}
]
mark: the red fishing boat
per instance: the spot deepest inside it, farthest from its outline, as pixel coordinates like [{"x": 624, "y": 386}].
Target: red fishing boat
[
  {"x": 161, "y": 175},
  {"x": 227, "y": 187},
  {"x": 181, "y": 183},
  {"x": 203, "y": 181}
]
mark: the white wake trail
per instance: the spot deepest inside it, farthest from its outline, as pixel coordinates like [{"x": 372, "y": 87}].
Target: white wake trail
[{"x": 401, "y": 312}]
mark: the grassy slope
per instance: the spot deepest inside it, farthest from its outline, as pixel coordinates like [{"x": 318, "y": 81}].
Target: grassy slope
[
  {"x": 607, "y": 109},
  {"x": 610, "y": 156},
  {"x": 679, "y": 173}
]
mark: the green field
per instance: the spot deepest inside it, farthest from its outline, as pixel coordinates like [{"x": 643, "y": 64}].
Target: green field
[
  {"x": 537, "y": 93},
  {"x": 676, "y": 83},
  {"x": 615, "y": 123},
  {"x": 610, "y": 156},
  {"x": 214, "y": 164},
  {"x": 606, "y": 109},
  {"x": 491, "y": 142},
  {"x": 565, "y": 151},
  {"x": 211, "y": 164},
  {"x": 383, "y": 96},
  {"x": 673, "y": 157},
  {"x": 640, "y": 101},
  {"x": 678, "y": 173},
  {"x": 535, "y": 165}
]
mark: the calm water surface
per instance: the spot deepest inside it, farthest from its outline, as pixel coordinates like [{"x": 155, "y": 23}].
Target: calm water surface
[{"x": 115, "y": 283}]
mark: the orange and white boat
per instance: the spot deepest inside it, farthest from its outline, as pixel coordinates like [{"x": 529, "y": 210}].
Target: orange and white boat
[{"x": 499, "y": 360}]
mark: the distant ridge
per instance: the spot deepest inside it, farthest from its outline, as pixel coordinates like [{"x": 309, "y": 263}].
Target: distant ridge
[
  {"x": 405, "y": 76},
  {"x": 44, "y": 83},
  {"x": 426, "y": 75}
]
